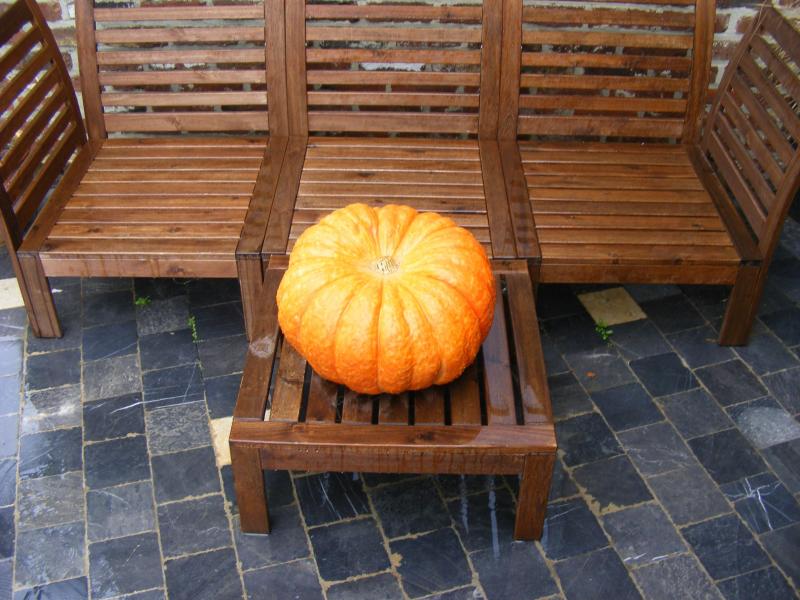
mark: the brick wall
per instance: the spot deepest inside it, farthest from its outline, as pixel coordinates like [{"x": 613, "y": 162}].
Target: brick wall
[{"x": 733, "y": 17}]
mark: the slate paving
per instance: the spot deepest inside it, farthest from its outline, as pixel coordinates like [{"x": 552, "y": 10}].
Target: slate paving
[{"x": 678, "y": 473}]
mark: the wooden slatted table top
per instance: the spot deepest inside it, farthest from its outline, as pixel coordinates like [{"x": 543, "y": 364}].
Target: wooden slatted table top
[{"x": 504, "y": 388}]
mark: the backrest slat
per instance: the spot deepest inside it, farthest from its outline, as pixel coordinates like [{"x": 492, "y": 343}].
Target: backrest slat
[
  {"x": 175, "y": 68},
  {"x": 753, "y": 130},
  {"x": 392, "y": 68},
  {"x": 605, "y": 71},
  {"x": 41, "y": 127}
]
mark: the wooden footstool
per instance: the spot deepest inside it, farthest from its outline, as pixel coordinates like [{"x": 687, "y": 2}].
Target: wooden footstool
[{"x": 494, "y": 419}]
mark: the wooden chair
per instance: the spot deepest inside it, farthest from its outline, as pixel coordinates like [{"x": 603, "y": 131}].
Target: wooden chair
[
  {"x": 151, "y": 200},
  {"x": 612, "y": 200}
]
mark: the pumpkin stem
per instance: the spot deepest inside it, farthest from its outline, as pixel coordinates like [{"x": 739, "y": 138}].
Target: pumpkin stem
[{"x": 386, "y": 265}]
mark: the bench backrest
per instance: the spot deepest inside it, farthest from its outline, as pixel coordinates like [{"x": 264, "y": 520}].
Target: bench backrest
[
  {"x": 174, "y": 68},
  {"x": 753, "y": 131},
  {"x": 393, "y": 68},
  {"x": 609, "y": 71},
  {"x": 41, "y": 127}
]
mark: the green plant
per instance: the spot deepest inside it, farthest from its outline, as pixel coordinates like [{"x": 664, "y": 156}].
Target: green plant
[
  {"x": 603, "y": 331},
  {"x": 142, "y": 301},
  {"x": 192, "y": 322}
]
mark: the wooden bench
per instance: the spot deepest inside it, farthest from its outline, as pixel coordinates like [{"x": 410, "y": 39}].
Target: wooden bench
[
  {"x": 140, "y": 196},
  {"x": 494, "y": 419},
  {"x": 612, "y": 200}
]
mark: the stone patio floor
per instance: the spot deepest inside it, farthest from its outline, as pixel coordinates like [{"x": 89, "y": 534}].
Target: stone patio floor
[{"x": 678, "y": 478}]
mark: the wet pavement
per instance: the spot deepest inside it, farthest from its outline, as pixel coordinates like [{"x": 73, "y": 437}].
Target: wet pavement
[{"x": 678, "y": 472}]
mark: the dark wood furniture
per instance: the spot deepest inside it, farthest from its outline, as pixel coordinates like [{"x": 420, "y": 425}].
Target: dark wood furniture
[
  {"x": 140, "y": 196},
  {"x": 494, "y": 419},
  {"x": 594, "y": 112}
]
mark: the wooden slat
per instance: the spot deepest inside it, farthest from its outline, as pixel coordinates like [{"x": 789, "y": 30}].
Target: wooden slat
[
  {"x": 322, "y": 398},
  {"x": 383, "y": 122},
  {"x": 181, "y": 77},
  {"x": 678, "y": 41},
  {"x": 761, "y": 118},
  {"x": 784, "y": 33},
  {"x": 429, "y": 406},
  {"x": 383, "y": 55},
  {"x": 170, "y": 176},
  {"x": 776, "y": 64},
  {"x": 137, "y": 188},
  {"x": 160, "y": 248},
  {"x": 22, "y": 46},
  {"x": 605, "y": 195},
  {"x": 594, "y": 126},
  {"x": 498, "y": 387},
  {"x": 490, "y": 65},
  {"x": 37, "y": 154},
  {"x": 704, "y": 15},
  {"x": 393, "y": 409},
  {"x": 144, "y": 216},
  {"x": 465, "y": 403},
  {"x": 423, "y": 178},
  {"x": 624, "y": 236},
  {"x": 623, "y": 254},
  {"x": 28, "y": 73},
  {"x": 637, "y": 62},
  {"x": 13, "y": 19},
  {"x": 88, "y": 69},
  {"x": 197, "y": 231},
  {"x": 185, "y": 99},
  {"x": 179, "y": 35},
  {"x": 603, "y": 82},
  {"x": 392, "y": 34},
  {"x": 389, "y": 190},
  {"x": 408, "y": 12},
  {"x": 601, "y": 103},
  {"x": 296, "y": 76},
  {"x": 623, "y": 208},
  {"x": 525, "y": 238},
  {"x": 770, "y": 96},
  {"x": 502, "y": 232},
  {"x": 629, "y": 222},
  {"x": 288, "y": 392},
  {"x": 357, "y": 408},
  {"x": 178, "y": 13},
  {"x": 182, "y": 56},
  {"x": 604, "y": 16},
  {"x": 621, "y": 169},
  {"x": 188, "y": 121},
  {"x": 189, "y": 203},
  {"x": 391, "y": 77},
  {"x": 341, "y": 98},
  {"x": 626, "y": 182}
]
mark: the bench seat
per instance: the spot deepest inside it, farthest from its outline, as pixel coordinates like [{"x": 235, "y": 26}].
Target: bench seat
[
  {"x": 626, "y": 205},
  {"x": 460, "y": 179},
  {"x": 157, "y": 207}
]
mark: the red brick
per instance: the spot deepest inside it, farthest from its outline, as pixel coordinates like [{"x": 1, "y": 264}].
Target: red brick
[
  {"x": 743, "y": 24},
  {"x": 721, "y": 23},
  {"x": 51, "y": 10}
]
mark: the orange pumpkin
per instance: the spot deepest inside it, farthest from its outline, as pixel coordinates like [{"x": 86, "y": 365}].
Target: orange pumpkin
[{"x": 386, "y": 299}]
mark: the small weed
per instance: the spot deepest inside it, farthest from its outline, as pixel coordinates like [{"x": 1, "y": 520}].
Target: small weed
[
  {"x": 142, "y": 301},
  {"x": 192, "y": 322},
  {"x": 603, "y": 331}
]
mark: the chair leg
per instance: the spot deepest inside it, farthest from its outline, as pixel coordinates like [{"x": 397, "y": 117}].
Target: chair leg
[
  {"x": 532, "y": 500},
  {"x": 248, "y": 481},
  {"x": 38, "y": 297},
  {"x": 743, "y": 305},
  {"x": 251, "y": 280}
]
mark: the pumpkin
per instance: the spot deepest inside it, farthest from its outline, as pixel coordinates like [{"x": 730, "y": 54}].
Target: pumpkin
[{"x": 386, "y": 299}]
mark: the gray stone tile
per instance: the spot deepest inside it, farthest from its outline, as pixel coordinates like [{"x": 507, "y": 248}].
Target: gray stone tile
[
  {"x": 101, "y": 285},
  {"x": 69, "y": 589},
  {"x": 167, "y": 349},
  {"x": 116, "y": 461},
  {"x": 50, "y": 501},
  {"x": 10, "y": 357},
  {"x": 627, "y": 406},
  {"x": 699, "y": 347},
  {"x": 193, "y": 526},
  {"x": 298, "y": 579},
  {"x": 765, "y": 423},
  {"x": 348, "y": 549},
  {"x": 178, "y": 427},
  {"x": 111, "y": 377},
  {"x": 125, "y": 565},
  {"x": 611, "y": 484},
  {"x": 108, "y": 341},
  {"x": 727, "y": 456},
  {"x": 221, "y": 395},
  {"x": 70, "y": 327},
  {"x": 585, "y": 438},
  {"x": 571, "y": 529},
  {"x": 113, "y": 418},
  {"x": 222, "y": 356},
  {"x": 120, "y": 511},
  {"x": 219, "y": 320},
  {"x": 51, "y": 409},
  {"x": 694, "y": 413},
  {"x": 647, "y": 292},
  {"x": 484, "y": 519},
  {"x": 762, "y": 502},
  {"x": 9, "y": 425},
  {"x": 731, "y": 382},
  {"x": 676, "y": 577},
  {"x": 50, "y": 453},
  {"x": 108, "y": 307},
  {"x": 599, "y": 574},
  {"x": 8, "y": 481},
  {"x": 567, "y": 397},
  {"x": 383, "y": 586},
  {"x": 642, "y": 534},
  {"x": 52, "y": 369},
  {"x": 175, "y": 385},
  {"x": 169, "y": 314},
  {"x": 638, "y": 340},
  {"x": 725, "y": 546},
  {"x": 286, "y": 541},
  {"x": 6, "y": 577},
  {"x": 599, "y": 369},
  {"x": 409, "y": 507},
  {"x": 688, "y": 494},
  {"x": 766, "y": 584},
  {"x": 514, "y": 571},
  {"x": 782, "y": 545},
  {"x": 784, "y": 386},
  {"x": 208, "y": 576},
  {"x": 431, "y": 563},
  {"x": 12, "y": 322},
  {"x": 328, "y": 497},
  {"x": 10, "y": 393},
  {"x": 766, "y": 354},
  {"x": 183, "y": 474},
  {"x": 785, "y": 461},
  {"x": 7, "y": 532},
  {"x": 49, "y": 554},
  {"x": 656, "y": 449}
]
